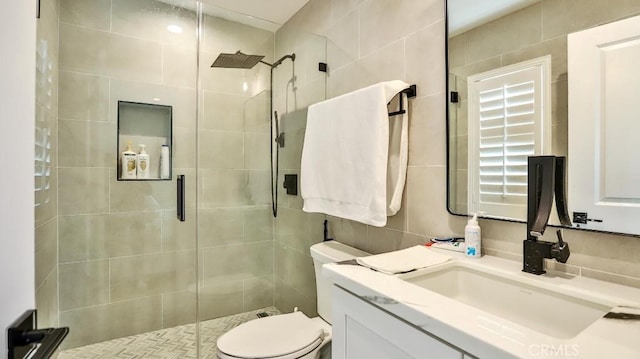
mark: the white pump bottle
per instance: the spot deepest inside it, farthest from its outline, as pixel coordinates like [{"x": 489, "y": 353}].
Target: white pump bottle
[{"x": 472, "y": 238}]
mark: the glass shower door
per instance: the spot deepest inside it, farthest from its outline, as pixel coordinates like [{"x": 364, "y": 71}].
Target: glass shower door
[
  {"x": 124, "y": 277},
  {"x": 235, "y": 224}
]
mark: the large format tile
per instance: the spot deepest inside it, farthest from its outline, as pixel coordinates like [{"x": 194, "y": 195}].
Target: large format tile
[
  {"x": 427, "y": 132},
  {"x": 84, "y": 97},
  {"x": 564, "y": 17},
  {"x": 221, "y": 149},
  {"x": 425, "y": 67},
  {"x": 46, "y": 296},
  {"x": 94, "y": 13},
  {"x": 110, "y": 321},
  {"x": 149, "y": 20},
  {"x": 223, "y": 111},
  {"x": 258, "y": 293},
  {"x": 84, "y": 284},
  {"x": 87, "y": 144},
  {"x": 241, "y": 261},
  {"x": 46, "y": 251},
  {"x": 145, "y": 275},
  {"x": 102, "y": 53},
  {"x": 86, "y": 237},
  {"x": 520, "y": 29},
  {"x": 178, "y": 308},
  {"x": 219, "y": 226},
  {"x": 83, "y": 190},
  {"x": 383, "y": 22},
  {"x": 46, "y": 194}
]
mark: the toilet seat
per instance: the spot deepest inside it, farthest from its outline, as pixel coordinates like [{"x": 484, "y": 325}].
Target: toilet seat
[{"x": 285, "y": 336}]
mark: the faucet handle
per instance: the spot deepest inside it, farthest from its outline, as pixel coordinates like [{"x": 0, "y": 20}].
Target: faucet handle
[{"x": 560, "y": 251}]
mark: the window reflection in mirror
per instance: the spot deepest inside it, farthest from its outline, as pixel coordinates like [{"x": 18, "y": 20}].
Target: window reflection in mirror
[{"x": 484, "y": 36}]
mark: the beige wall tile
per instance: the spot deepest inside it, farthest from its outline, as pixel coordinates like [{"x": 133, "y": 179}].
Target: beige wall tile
[
  {"x": 84, "y": 284},
  {"x": 258, "y": 187},
  {"x": 85, "y": 237},
  {"x": 520, "y": 29},
  {"x": 221, "y": 149},
  {"x": 177, "y": 235},
  {"x": 146, "y": 275},
  {"x": 382, "y": 65},
  {"x": 102, "y": 53},
  {"x": 178, "y": 308},
  {"x": 258, "y": 293},
  {"x": 220, "y": 298},
  {"x": 258, "y": 224},
  {"x": 427, "y": 131},
  {"x": 351, "y": 233},
  {"x": 148, "y": 19},
  {"x": 47, "y": 301},
  {"x": 287, "y": 298},
  {"x": 340, "y": 8},
  {"x": 221, "y": 35},
  {"x": 132, "y": 196},
  {"x": 46, "y": 195},
  {"x": 140, "y": 316},
  {"x": 220, "y": 226},
  {"x": 583, "y": 14},
  {"x": 426, "y": 202},
  {"x": 221, "y": 188},
  {"x": 84, "y": 97},
  {"x": 557, "y": 48},
  {"x": 256, "y": 113},
  {"x": 46, "y": 251},
  {"x": 179, "y": 66},
  {"x": 457, "y": 51},
  {"x": 83, "y": 190},
  {"x": 384, "y": 22},
  {"x": 94, "y": 13},
  {"x": 238, "y": 261},
  {"x": 87, "y": 144},
  {"x": 224, "y": 112},
  {"x": 425, "y": 67},
  {"x": 256, "y": 150}
]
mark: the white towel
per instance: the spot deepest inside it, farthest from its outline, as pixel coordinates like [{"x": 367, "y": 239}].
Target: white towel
[
  {"x": 404, "y": 260},
  {"x": 347, "y": 153}
]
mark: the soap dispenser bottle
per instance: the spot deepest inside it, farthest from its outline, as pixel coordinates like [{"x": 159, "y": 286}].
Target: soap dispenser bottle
[
  {"x": 472, "y": 238},
  {"x": 128, "y": 163},
  {"x": 142, "y": 162}
]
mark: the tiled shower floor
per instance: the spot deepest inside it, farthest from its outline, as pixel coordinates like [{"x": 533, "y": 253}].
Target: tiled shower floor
[{"x": 170, "y": 343}]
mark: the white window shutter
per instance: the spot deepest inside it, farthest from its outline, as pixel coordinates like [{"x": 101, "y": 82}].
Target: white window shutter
[{"x": 509, "y": 120}]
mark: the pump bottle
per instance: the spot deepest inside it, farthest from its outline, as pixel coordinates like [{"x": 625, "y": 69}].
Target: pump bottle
[{"x": 472, "y": 238}]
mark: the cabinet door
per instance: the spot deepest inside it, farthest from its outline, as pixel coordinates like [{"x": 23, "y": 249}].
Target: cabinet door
[{"x": 361, "y": 330}]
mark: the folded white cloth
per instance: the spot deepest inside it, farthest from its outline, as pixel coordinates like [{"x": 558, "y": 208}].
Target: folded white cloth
[
  {"x": 347, "y": 152},
  {"x": 404, "y": 260}
]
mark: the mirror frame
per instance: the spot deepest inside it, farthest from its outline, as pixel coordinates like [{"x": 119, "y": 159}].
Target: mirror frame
[{"x": 448, "y": 149}]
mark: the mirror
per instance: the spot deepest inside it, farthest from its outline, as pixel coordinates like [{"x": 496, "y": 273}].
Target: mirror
[{"x": 490, "y": 46}]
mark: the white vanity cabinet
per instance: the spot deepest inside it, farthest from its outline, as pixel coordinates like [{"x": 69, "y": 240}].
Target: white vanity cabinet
[{"x": 362, "y": 330}]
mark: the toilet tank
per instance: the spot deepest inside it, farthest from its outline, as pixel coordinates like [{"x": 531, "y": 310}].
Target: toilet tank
[{"x": 329, "y": 252}]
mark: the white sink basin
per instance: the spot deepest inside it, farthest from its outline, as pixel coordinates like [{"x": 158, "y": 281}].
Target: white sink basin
[{"x": 548, "y": 312}]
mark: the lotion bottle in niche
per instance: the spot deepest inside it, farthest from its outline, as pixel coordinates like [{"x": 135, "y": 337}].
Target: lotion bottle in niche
[
  {"x": 165, "y": 158},
  {"x": 142, "y": 163},
  {"x": 128, "y": 163}
]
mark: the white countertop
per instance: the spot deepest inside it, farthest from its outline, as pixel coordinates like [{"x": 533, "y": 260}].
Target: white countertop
[{"x": 489, "y": 336}]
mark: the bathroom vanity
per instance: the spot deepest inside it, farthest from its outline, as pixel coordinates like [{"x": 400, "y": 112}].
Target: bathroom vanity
[{"x": 483, "y": 308}]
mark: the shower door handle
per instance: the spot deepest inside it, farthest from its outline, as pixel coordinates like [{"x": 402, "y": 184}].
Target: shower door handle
[{"x": 181, "y": 200}]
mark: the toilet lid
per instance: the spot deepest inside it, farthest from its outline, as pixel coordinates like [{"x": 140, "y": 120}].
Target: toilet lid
[{"x": 275, "y": 336}]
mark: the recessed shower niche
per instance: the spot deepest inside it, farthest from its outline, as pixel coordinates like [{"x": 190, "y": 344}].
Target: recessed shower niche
[{"x": 144, "y": 141}]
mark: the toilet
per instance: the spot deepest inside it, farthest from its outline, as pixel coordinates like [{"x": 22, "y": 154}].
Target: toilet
[{"x": 292, "y": 335}]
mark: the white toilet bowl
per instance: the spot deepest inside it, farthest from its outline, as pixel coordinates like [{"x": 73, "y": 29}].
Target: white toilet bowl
[{"x": 292, "y": 335}]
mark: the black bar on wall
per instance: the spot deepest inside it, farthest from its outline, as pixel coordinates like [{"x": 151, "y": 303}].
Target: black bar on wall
[
  {"x": 38, "y": 9},
  {"x": 181, "y": 200}
]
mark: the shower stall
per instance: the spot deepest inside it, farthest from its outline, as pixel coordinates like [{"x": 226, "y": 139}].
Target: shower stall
[{"x": 143, "y": 261}]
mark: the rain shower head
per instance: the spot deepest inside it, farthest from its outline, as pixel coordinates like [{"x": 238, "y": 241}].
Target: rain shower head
[{"x": 237, "y": 61}]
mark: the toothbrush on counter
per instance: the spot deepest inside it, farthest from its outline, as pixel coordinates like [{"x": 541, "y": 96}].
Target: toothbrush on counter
[{"x": 453, "y": 243}]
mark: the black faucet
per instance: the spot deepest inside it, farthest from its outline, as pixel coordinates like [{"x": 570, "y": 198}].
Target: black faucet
[{"x": 546, "y": 177}]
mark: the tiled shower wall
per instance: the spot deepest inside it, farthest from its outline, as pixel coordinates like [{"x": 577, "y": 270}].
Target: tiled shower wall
[
  {"x": 46, "y": 191},
  {"x": 126, "y": 265},
  {"x": 535, "y": 31},
  {"x": 376, "y": 40}
]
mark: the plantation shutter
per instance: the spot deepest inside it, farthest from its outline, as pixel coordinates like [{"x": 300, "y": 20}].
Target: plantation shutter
[{"x": 506, "y": 126}]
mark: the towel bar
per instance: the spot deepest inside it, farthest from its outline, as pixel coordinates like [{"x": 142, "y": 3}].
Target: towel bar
[{"x": 410, "y": 92}]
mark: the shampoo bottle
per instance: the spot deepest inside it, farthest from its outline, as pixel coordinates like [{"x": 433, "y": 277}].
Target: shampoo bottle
[
  {"x": 128, "y": 163},
  {"x": 142, "y": 162},
  {"x": 472, "y": 238},
  {"x": 165, "y": 157}
]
